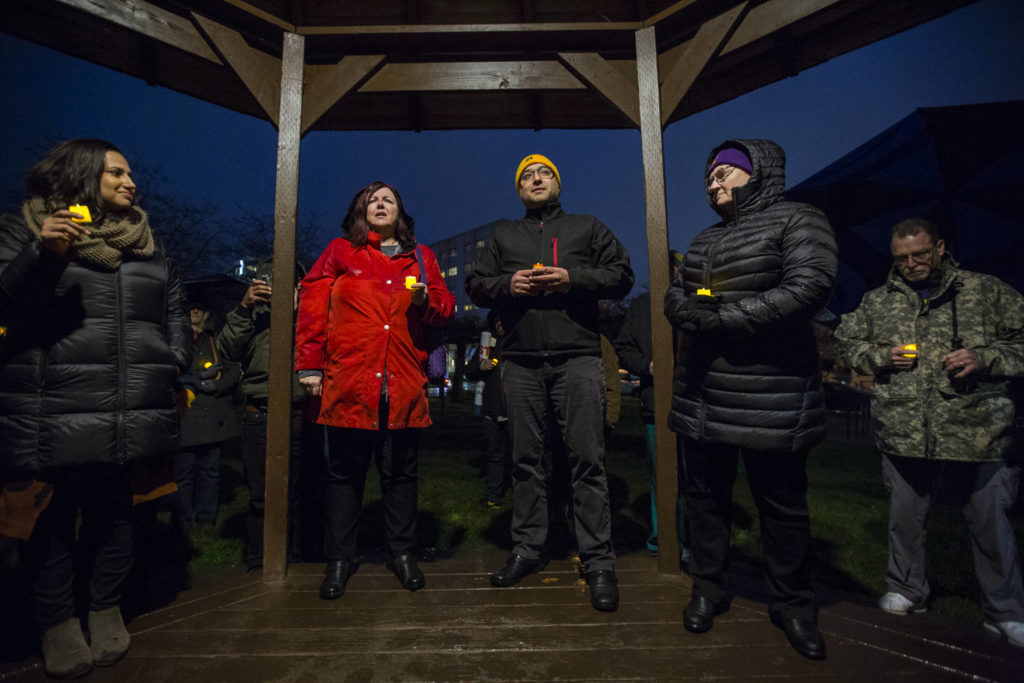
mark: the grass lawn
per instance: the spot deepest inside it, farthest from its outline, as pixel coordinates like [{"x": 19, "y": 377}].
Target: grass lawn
[{"x": 849, "y": 511}]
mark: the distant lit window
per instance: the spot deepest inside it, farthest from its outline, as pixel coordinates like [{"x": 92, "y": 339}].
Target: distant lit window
[
  {"x": 468, "y": 307},
  {"x": 480, "y": 244},
  {"x": 454, "y": 270},
  {"x": 453, "y": 253},
  {"x": 469, "y": 248},
  {"x": 467, "y": 266}
]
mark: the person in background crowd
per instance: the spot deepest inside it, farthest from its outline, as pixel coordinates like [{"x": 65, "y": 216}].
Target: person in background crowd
[
  {"x": 636, "y": 353},
  {"x": 95, "y": 336},
  {"x": 747, "y": 379},
  {"x": 545, "y": 275},
  {"x": 942, "y": 344},
  {"x": 498, "y": 456},
  {"x": 612, "y": 390},
  {"x": 245, "y": 339},
  {"x": 206, "y": 425},
  {"x": 360, "y": 346}
]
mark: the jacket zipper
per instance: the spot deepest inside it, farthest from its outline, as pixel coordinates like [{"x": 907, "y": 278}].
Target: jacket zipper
[
  {"x": 706, "y": 279},
  {"x": 540, "y": 259},
  {"x": 121, "y": 373}
]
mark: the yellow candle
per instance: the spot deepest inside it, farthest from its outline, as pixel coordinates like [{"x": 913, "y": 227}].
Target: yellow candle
[
  {"x": 84, "y": 210},
  {"x": 410, "y": 280},
  {"x": 704, "y": 292}
]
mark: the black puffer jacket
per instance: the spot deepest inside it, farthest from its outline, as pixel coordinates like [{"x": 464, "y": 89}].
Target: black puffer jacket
[
  {"x": 551, "y": 324},
  {"x": 89, "y": 357},
  {"x": 755, "y": 383}
]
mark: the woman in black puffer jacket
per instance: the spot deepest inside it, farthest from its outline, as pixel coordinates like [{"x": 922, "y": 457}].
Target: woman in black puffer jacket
[
  {"x": 747, "y": 379},
  {"x": 95, "y": 334}
]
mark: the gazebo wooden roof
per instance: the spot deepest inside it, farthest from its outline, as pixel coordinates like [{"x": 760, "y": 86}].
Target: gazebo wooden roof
[
  {"x": 460, "y": 64},
  {"x": 454, "y": 64}
]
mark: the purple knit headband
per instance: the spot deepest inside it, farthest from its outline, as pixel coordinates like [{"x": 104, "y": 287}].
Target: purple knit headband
[{"x": 733, "y": 157}]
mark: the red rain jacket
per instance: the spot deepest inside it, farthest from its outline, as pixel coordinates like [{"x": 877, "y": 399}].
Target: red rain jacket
[{"x": 356, "y": 321}]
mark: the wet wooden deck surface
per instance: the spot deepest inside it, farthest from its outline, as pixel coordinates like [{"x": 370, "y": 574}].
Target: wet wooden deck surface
[{"x": 459, "y": 628}]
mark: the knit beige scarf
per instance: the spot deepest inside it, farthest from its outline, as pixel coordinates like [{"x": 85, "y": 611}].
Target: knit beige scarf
[{"x": 108, "y": 243}]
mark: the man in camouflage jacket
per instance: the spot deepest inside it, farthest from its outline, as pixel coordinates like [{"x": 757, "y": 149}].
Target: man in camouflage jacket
[{"x": 941, "y": 343}]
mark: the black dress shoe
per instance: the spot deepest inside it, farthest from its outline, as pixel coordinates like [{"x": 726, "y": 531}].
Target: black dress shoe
[
  {"x": 408, "y": 572},
  {"x": 516, "y": 568},
  {"x": 699, "y": 615},
  {"x": 604, "y": 590},
  {"x": 335, "y": 576},
  {"x": 803, "y": 635}
]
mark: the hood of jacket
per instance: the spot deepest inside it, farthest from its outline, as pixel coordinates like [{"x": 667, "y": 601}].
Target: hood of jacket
[{"x": 767, "y": 182}]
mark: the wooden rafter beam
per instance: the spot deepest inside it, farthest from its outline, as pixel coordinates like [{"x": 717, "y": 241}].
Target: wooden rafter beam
[
  {"x": 698, "y": 52},
  {"x": 150, "y": 21},
  {"x": 260, "y": 72},
  {"x": 524, "y": 27},
  {"x": 667, "y": 12},
  {"x": 409, "y": 29},
  {"x": 607, "y": 80},
  {"x": 451, "y": 76},
  {"x": 325, "y": 85},
  {"x": 265, "y": 16},
  {"x": 770, "y": 17}
]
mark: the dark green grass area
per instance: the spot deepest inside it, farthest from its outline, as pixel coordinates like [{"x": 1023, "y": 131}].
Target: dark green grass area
[{"x": 848, "y": 504}]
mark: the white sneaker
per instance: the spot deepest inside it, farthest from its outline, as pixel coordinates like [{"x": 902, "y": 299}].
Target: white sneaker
[
  {"x": 1013, "y": 631},
  {"x": 894, "y": 603}
]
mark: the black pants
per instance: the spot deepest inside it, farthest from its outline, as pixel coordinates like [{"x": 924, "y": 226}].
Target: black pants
[
  {"x": 778, "y": 482},
  {"x": 498, "y": 459},
  {"x": 103, "y": 495},
  {"x": 350, "y": 451},
  {"x": 305, "y": 470},
  {"x": 572, "y": 389},
  {"x": 197, "y": 473}
]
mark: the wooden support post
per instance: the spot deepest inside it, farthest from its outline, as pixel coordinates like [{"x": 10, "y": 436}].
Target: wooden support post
[
  {"x": 279, "y": 413},
  {"x": 657, "y": 262}
]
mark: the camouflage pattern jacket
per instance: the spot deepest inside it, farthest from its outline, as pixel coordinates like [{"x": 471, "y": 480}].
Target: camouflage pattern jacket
[{"x": 919, "y": 412}]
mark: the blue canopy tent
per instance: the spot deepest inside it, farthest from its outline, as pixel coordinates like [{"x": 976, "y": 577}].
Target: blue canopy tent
[{"x": 960, "y": 167}]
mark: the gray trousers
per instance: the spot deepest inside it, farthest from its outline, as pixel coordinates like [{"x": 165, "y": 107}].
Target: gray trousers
[
  {"x": 573, "y": 390},
  {"x": 986, "y": 492}
]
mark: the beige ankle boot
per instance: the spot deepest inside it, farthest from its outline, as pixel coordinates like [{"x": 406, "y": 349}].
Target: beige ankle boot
[
  {"x": 65, "y": 654},
  {"x": 108, "y": 637}
]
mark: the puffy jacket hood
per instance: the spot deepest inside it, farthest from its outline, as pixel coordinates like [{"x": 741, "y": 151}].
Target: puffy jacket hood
[{"x": 767, "y": 182}]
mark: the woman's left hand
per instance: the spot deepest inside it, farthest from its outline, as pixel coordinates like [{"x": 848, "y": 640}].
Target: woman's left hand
[{"x": 419, "y": 293}]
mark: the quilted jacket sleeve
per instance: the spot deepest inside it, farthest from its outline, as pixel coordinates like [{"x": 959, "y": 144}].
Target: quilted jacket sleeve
[{"x": 809, "y": 264}]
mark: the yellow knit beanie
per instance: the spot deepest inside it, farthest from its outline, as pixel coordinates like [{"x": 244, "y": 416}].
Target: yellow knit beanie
[{"x": 536, "y": 159}]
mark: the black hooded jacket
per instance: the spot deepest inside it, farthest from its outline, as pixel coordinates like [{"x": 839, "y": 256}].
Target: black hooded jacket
[
  {"x": 89, "y": 357},
  {"x": 755, "y": 382}
]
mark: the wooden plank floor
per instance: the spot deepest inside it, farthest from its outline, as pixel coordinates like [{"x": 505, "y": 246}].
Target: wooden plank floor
[{"x": 459, "y": 628}]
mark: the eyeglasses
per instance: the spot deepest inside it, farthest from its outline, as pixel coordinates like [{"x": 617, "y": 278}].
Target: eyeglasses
[
  {"x": 720, "y": 174},
  {"x": 917, "y": 256},
  {"x": 544, "y": 173}
]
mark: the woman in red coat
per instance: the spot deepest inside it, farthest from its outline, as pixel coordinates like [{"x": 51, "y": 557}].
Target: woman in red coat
[{"x": 359, "y": 345}]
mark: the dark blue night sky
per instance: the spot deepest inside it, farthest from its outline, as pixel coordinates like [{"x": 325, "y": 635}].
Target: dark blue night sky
[{"x": 454, "y": 181}]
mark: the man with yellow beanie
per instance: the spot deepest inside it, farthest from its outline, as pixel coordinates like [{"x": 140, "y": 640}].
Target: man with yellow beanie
[{"x": 544, "y": 274}]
